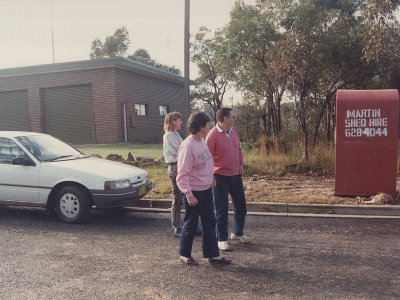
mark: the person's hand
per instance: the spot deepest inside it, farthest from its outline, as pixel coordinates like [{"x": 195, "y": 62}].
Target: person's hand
[
  {"x": 192, "y": 201},
  {"x": 241, "y": 170}
]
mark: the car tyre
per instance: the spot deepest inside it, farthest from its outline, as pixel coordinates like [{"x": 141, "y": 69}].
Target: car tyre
[{"x": 73, "y": 204}]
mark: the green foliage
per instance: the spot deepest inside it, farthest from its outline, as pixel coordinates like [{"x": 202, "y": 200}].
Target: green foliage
[
  {"x": 114, "y": 45},
  {"x": 211, "y": 85},
  {"x": 143, "y": 56},
  {"x": 96, "y": 49},
  {"x": 382, "y": 31},
  {"x": 117, "y": 45},
  {"x": 302, "y": 51},
  {"x": 250, "y": 41},
  {"x": 248, "y": 122}
]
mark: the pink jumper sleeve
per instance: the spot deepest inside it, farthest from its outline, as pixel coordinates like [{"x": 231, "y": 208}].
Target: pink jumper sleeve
[{"x": 185, "y": 164}]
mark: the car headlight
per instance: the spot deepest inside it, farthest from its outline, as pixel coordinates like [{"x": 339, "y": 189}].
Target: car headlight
[{"x": 117, "y": 185}]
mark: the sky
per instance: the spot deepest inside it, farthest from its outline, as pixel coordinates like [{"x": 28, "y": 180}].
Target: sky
[{"x": 155, "y": 25}]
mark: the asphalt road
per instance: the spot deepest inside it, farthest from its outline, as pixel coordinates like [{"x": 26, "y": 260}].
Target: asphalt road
[{"x": 133, "y": 255}]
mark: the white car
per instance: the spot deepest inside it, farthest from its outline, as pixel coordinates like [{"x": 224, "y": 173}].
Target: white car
[{"x": 37, "y": 169}]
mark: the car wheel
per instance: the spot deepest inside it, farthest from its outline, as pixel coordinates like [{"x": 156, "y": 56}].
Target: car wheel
[{"x": 72, "y": 204}]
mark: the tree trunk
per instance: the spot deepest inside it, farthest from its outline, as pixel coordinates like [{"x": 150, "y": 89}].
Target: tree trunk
[
  {"x": 318, "y": 121},
  {"x": 305, "y": 145},
  {"x": 332, "y": 117},
  {"x": 304, "y": 128},
  {"x": 328, "y": 126},
  {"x": 279, "y": 117},
  {"x": 268, "y": 118},
  {"x": 263, "y": 118},
  {"x": 300, "y": 108},
  {"x": 278, "y": 100}
]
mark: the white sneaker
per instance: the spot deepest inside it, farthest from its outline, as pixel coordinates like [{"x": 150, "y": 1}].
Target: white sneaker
[
  {"x": 224, "y": 246},
  {"x": 244, "y": 239}
]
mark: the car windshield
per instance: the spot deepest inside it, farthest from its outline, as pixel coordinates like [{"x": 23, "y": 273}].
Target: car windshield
[{"x": 48, "y": 148}]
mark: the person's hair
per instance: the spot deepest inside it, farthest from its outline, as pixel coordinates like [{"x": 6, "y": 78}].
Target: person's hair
[
  {"x": 197, "y": 120},
  {"x": 169, "y": 119},
  {"x": 222, "y": 113}
]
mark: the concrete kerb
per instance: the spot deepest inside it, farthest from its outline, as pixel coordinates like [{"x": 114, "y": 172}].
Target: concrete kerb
[{"x": 289, "y": 209}]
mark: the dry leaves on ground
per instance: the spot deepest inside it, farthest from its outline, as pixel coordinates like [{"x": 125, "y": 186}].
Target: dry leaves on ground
[{"x": 291, "y": 188}]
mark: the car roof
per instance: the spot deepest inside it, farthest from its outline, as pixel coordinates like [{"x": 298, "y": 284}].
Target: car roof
[{"x": 12, "y": 134}]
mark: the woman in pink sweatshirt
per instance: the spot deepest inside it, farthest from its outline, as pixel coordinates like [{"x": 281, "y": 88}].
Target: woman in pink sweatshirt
[{"x": 194, "y": 179}]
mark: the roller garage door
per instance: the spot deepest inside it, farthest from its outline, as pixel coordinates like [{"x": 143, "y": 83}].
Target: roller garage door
[
  {"x": 67, "y": 113},
  {"x": 14, "y": 111}
]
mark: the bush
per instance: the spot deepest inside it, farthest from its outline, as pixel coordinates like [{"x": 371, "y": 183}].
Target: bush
[
  {"x": 322, "y": 159},
  {"x": 248, "y": 122},
  {"x": 285, "y": 154}
]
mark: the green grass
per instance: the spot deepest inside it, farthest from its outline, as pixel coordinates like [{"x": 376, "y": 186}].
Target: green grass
[
  {"x": 161, "y": 184},
  {"x": 147, "y": 150}
]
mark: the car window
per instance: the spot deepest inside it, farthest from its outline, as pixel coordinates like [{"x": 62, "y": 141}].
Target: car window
[
  {"x": 48, "y": 148},
  {"x": 9, "y": 150}
]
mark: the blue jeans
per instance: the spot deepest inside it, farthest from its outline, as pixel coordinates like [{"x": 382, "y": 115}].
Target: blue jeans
[
  {"x": 205, "y": 210},
  {"x": 232, "y": 185}
]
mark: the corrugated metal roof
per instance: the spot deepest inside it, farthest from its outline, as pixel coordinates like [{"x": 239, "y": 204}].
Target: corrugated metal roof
[{"x": 119, "y": 62}]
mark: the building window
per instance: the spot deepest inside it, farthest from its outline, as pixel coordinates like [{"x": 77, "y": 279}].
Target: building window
[
  {"x": 163, "y": 110},
  {"x": 141, "y": 109}
]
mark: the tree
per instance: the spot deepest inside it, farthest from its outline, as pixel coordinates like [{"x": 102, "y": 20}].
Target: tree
[
  {"x": 322, "y": 51},
  {"x": 97, "y": 50},
  {"x": 143, "y": 56},
  {"x": 247, "y": 123},
  {"x": 250, "y": 39},
  {"x": 306, "y": 50},
  {"x": 114, "y": 45},
  {"x": 117, "y": 45},
  {"x": 211, "y": 85},
  {"x": 382, "y": 35}
]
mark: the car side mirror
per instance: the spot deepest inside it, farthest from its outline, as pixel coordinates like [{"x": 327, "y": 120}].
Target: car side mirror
[{"x": 22, "y": 161}]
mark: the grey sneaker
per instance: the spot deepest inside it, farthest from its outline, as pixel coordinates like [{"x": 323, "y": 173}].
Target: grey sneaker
[
  {"x": 244, "y": 239},
  {"x": 224, "y": 246}
]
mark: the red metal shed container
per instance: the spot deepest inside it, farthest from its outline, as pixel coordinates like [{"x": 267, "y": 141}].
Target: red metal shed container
[{"x": 367, "y": 124}]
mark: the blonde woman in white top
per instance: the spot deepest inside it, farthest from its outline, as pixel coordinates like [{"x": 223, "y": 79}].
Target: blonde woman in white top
[{"x": 171, "y": 142}]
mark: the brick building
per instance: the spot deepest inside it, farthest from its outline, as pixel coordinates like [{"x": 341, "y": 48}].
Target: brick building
[{"x": 95, "y": 101}]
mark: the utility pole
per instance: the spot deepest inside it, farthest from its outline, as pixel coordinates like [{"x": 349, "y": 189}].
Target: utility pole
[
  {"x": 52, "y": 28},
  {"x": 187, "y": 56}
]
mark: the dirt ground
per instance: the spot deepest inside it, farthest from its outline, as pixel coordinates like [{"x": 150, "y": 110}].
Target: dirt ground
[{"x": 290, "y": 188}]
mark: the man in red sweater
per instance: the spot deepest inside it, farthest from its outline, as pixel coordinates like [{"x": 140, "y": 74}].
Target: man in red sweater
[{"x": 224, "y": 145}]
